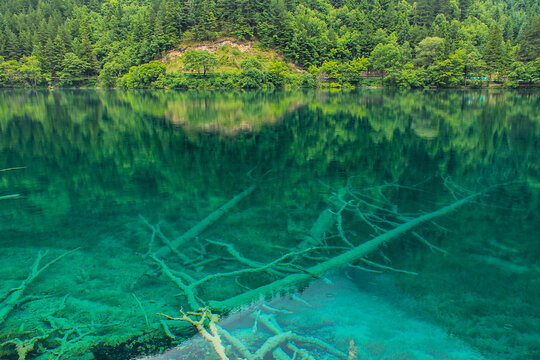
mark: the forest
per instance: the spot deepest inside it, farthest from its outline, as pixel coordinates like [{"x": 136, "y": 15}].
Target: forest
[{"x": 400, "y": 43}]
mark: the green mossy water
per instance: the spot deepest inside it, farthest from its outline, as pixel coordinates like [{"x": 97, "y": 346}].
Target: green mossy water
[{"x": 97, "y": 162}]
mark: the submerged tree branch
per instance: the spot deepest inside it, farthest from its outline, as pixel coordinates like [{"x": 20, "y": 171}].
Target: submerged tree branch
[
  {"x": 206, "y": 222},
  {"x": 12, "y": 196},
  {"x": 13, "y": 298},
  {"x": 341, "y": 260}
]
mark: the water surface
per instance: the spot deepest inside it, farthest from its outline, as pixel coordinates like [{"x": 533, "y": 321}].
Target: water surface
[{"x": 111, "y": 173}]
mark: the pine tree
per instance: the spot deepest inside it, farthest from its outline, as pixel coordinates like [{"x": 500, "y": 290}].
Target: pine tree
[
  {"x": 530, "y": 41},
  {"x": 13, "y": 46},
  {"x": 439, "y": 27},
  {"x": 42, "y": 34},
  {"x": 50, "y": 56},
  {"x": 59, "y": 50},
  {"x": 25, "y": 41},
  {"x": 493, "y": 53},
  {"x": 403, "y": 31},
  {"x": 39, "y": 52},
  {"x": 84, "y": 50},
  {"x": 377, "y": 14},
  {"x": 424, "y": 13},
  {"x": 205, "y": 20},
  {"x": 169, "y": 12},
  {"x": 2, "y": 44},
  {"x": 464, "y": 7}
]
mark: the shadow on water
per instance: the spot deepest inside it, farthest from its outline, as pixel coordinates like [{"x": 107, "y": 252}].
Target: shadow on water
[{"x": 118, "y": 174}]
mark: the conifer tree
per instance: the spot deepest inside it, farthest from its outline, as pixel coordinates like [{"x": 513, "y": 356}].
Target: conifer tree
[
  {"x": 464, "y": 8},
  {"x": 493, "y": 53},
  {"x": 12, "y": 48},
  {"x": 205, "y": 20},
  {"x": 530, "y": 41}
]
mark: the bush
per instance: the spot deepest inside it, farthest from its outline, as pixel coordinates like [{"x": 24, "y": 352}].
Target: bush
[
  {"x": 251, "y": 63},
  {"x": 142, "y": 76},
  {"x": 307, "y": 81},
  {"x": 252, "y": 78}
]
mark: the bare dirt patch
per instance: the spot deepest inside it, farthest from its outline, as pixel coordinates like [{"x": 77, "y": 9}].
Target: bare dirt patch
[{"x": 210, "y": 46}]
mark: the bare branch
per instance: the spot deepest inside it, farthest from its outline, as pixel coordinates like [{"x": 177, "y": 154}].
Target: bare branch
[
  {"x": 13, "y": 298},
  {"x": 188, "y": 290},
  {"x": 213, "y": 336},
  {"x": 389, "y": 268},
  {"x": 13, "y": 168},
  {"x": 428, "y": 244},
  {"x": 206, "y": 222},
  {"x": 346, "y": 258},
  {"x": 12, "y": 196}
]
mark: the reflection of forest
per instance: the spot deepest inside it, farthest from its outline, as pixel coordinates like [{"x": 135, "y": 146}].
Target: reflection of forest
[
  {"x": 133, "y": 140},
  {"x": 230, "y": 113}
]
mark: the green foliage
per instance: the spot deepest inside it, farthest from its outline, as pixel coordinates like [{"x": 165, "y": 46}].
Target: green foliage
[
  {"x": 10, "y": 72},
  {"x": 278, "y": 74},
  {"x": 109, "y": 37},
  {"x": 352, "y": 72},
  {"x": 143, "y": 76},
  {"x": 199, "y": 60},
  {"x": 386, "y": 57},
  {"x": 330, "y": 69},
  {"x": 73, "y": 70},
  {"x": 528, "y": 73},
  {"x": 493, "y": 53},
  {"x": 408, "y": 77},
  {"x": 530, "y": 41},
  {"x": 251, "y": 64},
  {"x": 31, "y": 71},
  {"x": 252, "y": 78},
  {"x": 428, "y": 50}
]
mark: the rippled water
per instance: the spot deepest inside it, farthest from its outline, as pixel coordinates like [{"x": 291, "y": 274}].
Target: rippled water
[{"x": 309, "y": 176}]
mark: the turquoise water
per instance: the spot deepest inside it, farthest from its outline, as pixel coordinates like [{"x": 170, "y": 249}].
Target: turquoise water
[{"x": 105, "y": 178}]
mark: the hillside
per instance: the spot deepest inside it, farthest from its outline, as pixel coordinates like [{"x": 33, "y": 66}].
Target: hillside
[
  {"x": 229, "y": 52},
  {"x": 414, "y": 43}
]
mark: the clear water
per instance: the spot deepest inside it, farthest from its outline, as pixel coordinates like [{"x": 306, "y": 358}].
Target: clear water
[{"x": 99, "y": 171}]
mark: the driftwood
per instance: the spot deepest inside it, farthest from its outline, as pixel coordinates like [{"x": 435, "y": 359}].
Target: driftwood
[
  {"x": 315, "y": 235},
  {"x": 13, "y": 297},
  {"x": 23, "y": 347},
  {"x": 189, "y": 289},
  {"x": 205, "y": 223},
  {"x": 12, "y": 196},
  {"x": 206, "y": 324},
  {"x": 211, "y": 336},
  {"x": 325, "y": 221},
  {"x": 269, "y": 321},
  {"x": 13, "y": 168},
  {"x": 341, "y": 260},
  {"x": 370, "y": 205}
]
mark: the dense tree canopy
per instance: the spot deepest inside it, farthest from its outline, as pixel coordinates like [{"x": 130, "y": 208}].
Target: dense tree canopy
[{"x": 84, "y": 42}]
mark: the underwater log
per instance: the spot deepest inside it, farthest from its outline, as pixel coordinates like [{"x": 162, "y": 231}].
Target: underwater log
[
  {"x": 12, "y": 299},
  {"x": 206, "y": 222},
  {"x": 341, "y": 260}
]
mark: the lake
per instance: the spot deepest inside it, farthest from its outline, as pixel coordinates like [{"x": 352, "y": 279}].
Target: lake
[{"x": 370, "y": 224}]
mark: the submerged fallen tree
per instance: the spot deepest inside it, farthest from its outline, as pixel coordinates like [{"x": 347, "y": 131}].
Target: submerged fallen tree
[
  {"x": 341, "y": 260},
  {"x": 205, "y": 223},
  {"x": 370, "y": 205},
  {"x": 386, "y": 214}
]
